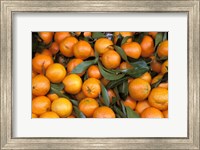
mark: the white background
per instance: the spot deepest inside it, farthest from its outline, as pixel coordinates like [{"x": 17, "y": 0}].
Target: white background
[{"x": 174, "y": 126}]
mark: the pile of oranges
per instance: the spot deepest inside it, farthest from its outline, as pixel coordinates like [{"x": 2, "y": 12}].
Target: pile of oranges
[{"x": 100, "y": 75}]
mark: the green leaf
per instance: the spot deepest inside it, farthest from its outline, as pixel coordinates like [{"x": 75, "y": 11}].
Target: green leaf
[
  {"x": 123, "y": 107},
  {"x": 156, "y": 84},
  {"x": 165, "y": 77},
  {"x": 131, "y": 113},
  {"x": 119, "y": 112},
  {"x": 84, "y": 66},
  {"x": 123, "y": 89},
  {"x": 165, "y": 36},
  {"x": 119, "y": 40},
  {"x": 121, "y": 52},
  {"x": 57, "y": 86},
  {"x": 125, "y": 39},
  {"x": 109, "y": 75},
  {"x": 115, "y": 99},
  {"x": 97, "y": 35},
  {"x": 115, "y": 83},
  {"x": 105, "y": 96},
  {"x": 158, "y": 39},
  {"x": 78, "y": 113}
]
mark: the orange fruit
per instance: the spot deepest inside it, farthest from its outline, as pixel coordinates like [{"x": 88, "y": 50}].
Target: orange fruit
[
  {"x": 125, "y": 65},
  {"x": 141, "y": 106},
  {"x": 163, "y": 85},
  {"x": 93, "y": 72},
  {"x": 152, "y": 112},
  {"x": 72, "y": 64},
  {"x": 62, "y": 107},
  {"x": 82, "y": 50},
  {"x": 40, "y": 105},
  {"x": 139, "y": 89},
  {"x": 158, "y": 98},
  {"x": 129, "y": 102},
  {"x": 49, "y": 114},
  {"x": 45, "y": 52},
  {"x": 46, "y": 36},
  {"x": 66, "y": 46},
  {"x": 147, "y": 46},
  {"x": 104, "y": 81},
  {"x": 52, "y": 96},
  {"x": 71, "y": 116},
  {"x": 56, "y": 73},
  {"x": 40, "y": 85},
  {"x": 155, "y": 65},
  {"x": 111, "y": 95},
  {"x": 153, "y": 34},
  {"x": 162, "y": 49},
  {"x": 41, "y": 62},
  {"x": 80, "y": 96},
  {"x": 33, "y": 74},
  {"x": 146, "y": 76},
  {"x": 156, "y": 78},
  {"x": 165, "y": 113},
  {"x": 87, "y": 106},
  {"x": 34, "y": 116},
  {"x": 91, "y": 88},
  {"x": 111, "y": 59},
  {"x": 103, "y": 112},
  {"x": 54, "y": 48},
  {"x": 123, "y": 34},
  {"x": 164, "y": 67},
  {"x": 59, "y": 36},
  {"x": 72, "y": 83},
  {"x": 132, "y": 49},
  {"x": 85, "y": 34},
  {"x": 102, "y": 45}
]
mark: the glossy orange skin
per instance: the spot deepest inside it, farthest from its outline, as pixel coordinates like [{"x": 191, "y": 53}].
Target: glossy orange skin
[
  {"x": 155, "y": 65},
  {"x": 85, "y": 34},
  {"x": 34, "y": 115},
  {"x": 164, "y": 67},
  {"x": 47, "y": 37},
  {"x": 147, "y": 46},
  {"x": 87, "y": 106},
  {"x": 40, "y": 105},
  {"x": 158, "y": 98},
  {"x": 139, "y": 89},
  {"x": 130, "y": 102},
  {"x": 91, "y": 88},
  {"x": 82, "y": 50},
  {"x": 156, "y": 78},
  {"x": 153, "y": 34},
  {"x": 59, "y": 36},
  {"x": 125, "y": 65},
  {"x": 111, "y": 59},
  {"x": 152, "y": 112},
  {"x": 146, "y": 76},
  {"x": 123, "y": 34},
  {"x": 49, "y": 114},
  {"x": 93, "y": 72},
  {"x": 132, "y": 49},
  {"x": 165, "y": 113},
  {"x": 141, "y": 106},
  {"x": 54, "y": 48},
  {"x": 40, "y": 85},
  {"x": 41, "y": 62},
  {"x": 103, "y": 112},
  {"x": 80, "y": 96},
  {"x": 163, "y": 49},
  {"x": 163, "y": 85},
  {"x": 102, "y": 45},
  {"x": 45, "y": 52},
  {"x": 53, "y": 96},
  {"x": 72, "y": 64},
  {"x": 66, "y": 46}
]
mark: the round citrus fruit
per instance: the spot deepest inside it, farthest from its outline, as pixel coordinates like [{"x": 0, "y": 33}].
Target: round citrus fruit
[
  {"x": 93, "y": 72},
  {"x": 46, "y": 36},
  {"x": 132, "y": 49},
  {"x": 49, "y": 114},
  {"x": 40, "y": 105},
  {"x": 103, "y": 112},
  {"x": 59, "y": 36},
  {"x": 102, "y": 45},
  {"x": 147, "y": 46},
  {"x": 152, "y": 112},
  {"x": 146, "y": 76},
  {"x": 130, "y": 102},
  {"x": 141, "y": 106},
  {"x": 163, "y": 49},
  {"x": 72, "y": 64}
]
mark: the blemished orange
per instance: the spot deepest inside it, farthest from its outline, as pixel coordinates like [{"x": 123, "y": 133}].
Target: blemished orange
[
  {"x": 125, "y": 65},
  {"x": 82, "y": 50},
  {"x": 111, "y": 59},
  {"x": 139, "y": 89},
  {"x": 47, "y": 37},
  {"x": 87, "y": 106},
  {"x": 130, "y": 102},
  {"x": 165, "y": 113},
  {"x": 146, "y": 76},
  {"x": 158, "y": 98},
  {"x": 66, "y": 46},
  {"x": 93, "y": 72},
  {"x": 123, "y": 34},
  {"x": 41, "y": 62},
  {"x": 103, "y": 112},
  {"x": 40, "y": 85},
  {"x": 155, "y": 65},
  {"x": 147, "y": 46},
  {"x": 153, "y": 34},
  {"x": 56, "y": 73},
  {"x": 72, "y": 64},
  {"x": 52, "y": 96},
  {"x": 132, "y": 49},
  {"x": 54, "y": 48},
  {"x": 49, "y": 114},
  {"x": 162, "y": 49},
  {"x": 163, "y": 85},
  {"x": 62, "y": 106},
  {"x": 102, "y": 45},
  {"x": 141, "y": 106},
  {"x": 156, "y": 78},
  {"x": 91, "y": 88},
  {"x": 152, "y": 112},
  {"x": 59, "y": 36},
  {"x": 164, "y": 67},
  {"x": 80, "y": 96},
  {"x": 40, "y": 105},
  {"x": 34, "y": 115},
  {"x": 72, "y": 83}
]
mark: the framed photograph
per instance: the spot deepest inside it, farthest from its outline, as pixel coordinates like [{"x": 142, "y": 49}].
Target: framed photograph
[{"x": 98, "y": 74}]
